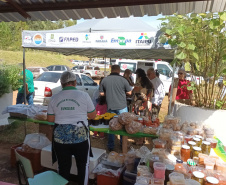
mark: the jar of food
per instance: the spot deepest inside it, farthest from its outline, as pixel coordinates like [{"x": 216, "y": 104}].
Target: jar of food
[
  {"x": 201, "y": 158},
  {"x": 159, "y": 170},
  {"x": 209, "y": 163},
  {"x": 197, "y": 141},
  {"x": 198, "y": 136},
  {"x": 206, "y": 147},
  {"x": 152, "y": 159},
  {"x": 179, "y": 166},
  {"x": 198, "y": 176},
  {"x": 213, "y": 142},
  {"x": 158, "y": 143},
  {"x": 169, "y": 170},
  {"x": 211, "y": 181},
  {"x": 187, "y": 138},
  {"x": 191, "y": 182},
  {"x": 196, "y": 151},
  {"x": 221, "y": 166},
  {"x": 185, "y": 153},
  {"x": 96, "y": 121},
  {"x": 191, "y": 165},
  {"x": 106, "y": 120},
  {"x": 191, "y": 144}
]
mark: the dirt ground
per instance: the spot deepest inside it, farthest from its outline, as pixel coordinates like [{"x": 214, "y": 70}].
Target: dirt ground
[{"x": 8, "y": 173}]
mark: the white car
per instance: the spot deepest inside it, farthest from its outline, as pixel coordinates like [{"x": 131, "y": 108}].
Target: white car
[{"x": 48, "y": 84}]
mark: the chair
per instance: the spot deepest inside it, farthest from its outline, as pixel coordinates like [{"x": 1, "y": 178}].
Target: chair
[{"x": 25, "y": 173}]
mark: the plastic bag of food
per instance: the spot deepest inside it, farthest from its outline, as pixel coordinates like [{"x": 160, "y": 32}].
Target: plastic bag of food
[
  {"x": 129, "y": 160},
  {"x": 171, "y": 119},
  {"x": 165, "y": 134},
  {"x": 112, "y": 157},
  {"x": 36, "y": 140},
  {"x": 119, "y": 159},
  {"x": 42, "y": 116},
  {"x": 133, "y": 127},
  {"x": 125, "y": 118},
  {"x": 150, "y": 130},
  {"x": 115, "y": 125}
]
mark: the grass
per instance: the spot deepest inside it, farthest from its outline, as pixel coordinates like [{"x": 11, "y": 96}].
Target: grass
[
  {"x": 38, "y": 58},
  {"x": 15, "y": 132}
]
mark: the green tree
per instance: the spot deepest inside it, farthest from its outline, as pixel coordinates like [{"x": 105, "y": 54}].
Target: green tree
[{"x": 200, "y": 40}]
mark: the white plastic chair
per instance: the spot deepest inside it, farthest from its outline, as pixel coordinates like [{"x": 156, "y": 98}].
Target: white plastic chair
[{"x": 25, "y": 172}]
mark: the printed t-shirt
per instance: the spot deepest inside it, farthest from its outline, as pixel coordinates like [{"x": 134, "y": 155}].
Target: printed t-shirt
[{"x": 69, "y": 107}]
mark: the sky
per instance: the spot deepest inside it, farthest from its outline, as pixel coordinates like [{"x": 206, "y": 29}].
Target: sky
[{"x": 151, "y": 20}]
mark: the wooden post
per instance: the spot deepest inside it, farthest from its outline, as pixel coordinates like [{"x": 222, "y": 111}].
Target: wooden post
[{"x": 124, "y": 144}]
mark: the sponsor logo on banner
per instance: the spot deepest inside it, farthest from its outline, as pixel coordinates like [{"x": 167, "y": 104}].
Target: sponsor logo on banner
[
  {"x": 68, "y": 39},
  {"x": 121, "y": 41},
  {"x": 38, "y": 39},
  {"x": 101, "y": 40},
  {"x": 87, "y": 38},
  {"x": 143, "y": 40},
  {"x": 27, "y": 39},
  {"x": 52, "y": 38}
]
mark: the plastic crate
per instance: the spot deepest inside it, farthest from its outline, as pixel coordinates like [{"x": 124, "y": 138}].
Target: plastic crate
[{"x": 34, "y": 157}]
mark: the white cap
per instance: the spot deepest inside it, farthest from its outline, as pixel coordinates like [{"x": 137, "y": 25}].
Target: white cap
[{"x": 67, "y": 76}]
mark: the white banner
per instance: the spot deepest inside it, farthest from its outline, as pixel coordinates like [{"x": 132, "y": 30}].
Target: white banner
[{"x": 124, "y": 40}]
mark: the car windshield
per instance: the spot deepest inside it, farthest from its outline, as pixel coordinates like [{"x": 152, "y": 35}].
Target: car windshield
[{"x": 49, "y": 77}]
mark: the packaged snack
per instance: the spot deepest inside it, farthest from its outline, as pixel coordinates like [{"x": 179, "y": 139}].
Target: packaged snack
[
  {"x": 125, "y": 118},
  {"x": 112, "y": 156},
  {"x": 150, "y": 130},
  {"x": 120, "y": 158},
  {"x": 158, "y": 143},
  {"x": 115, "y": 125},
  {"x": 133, "y": 127}
]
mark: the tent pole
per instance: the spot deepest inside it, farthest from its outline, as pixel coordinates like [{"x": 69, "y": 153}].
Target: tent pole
[
  {"x": 105, "y": 65},
  {"x": 171, "y": 90},
  {"x": 24, "y": 77}
]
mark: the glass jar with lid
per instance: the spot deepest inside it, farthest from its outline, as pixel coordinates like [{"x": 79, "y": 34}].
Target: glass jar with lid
[
  {"x": 196, "y": 151},
  {"x": 211, "y": 181},
  {"x": 191, "y": 144},
  {"x": 197, "y": 141},
  {"x": 198, "y": 176},
  {"x": 206, "y": 147},
  {"x": 185, "y": 152},
  {"x": 198, "y": 136}
]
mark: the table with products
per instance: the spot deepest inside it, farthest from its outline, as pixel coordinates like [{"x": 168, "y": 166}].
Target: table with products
[{"x": 123, "y": 133}]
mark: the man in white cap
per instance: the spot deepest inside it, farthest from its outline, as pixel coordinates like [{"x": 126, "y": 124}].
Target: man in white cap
[{"x": 69, "y": 110}]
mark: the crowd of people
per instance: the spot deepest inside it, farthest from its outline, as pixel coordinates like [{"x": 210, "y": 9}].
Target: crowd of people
[{"x": 117, "y": 94}]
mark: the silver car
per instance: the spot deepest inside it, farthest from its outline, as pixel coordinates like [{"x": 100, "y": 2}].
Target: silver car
[{"x": 48, "y": 84}]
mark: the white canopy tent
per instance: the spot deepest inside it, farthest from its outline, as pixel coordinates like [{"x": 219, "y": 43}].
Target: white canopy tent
[
  {"x": 110, "y": 38},
  {"x": 113, "y": 38}
]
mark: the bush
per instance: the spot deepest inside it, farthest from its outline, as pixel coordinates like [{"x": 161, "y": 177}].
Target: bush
[{"x": 9, "y": 78}]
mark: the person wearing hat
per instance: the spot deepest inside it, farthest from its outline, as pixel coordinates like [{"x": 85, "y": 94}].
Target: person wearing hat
[
  {"x": 180, "y": 91},
  {"x": 69, "y": 110}
]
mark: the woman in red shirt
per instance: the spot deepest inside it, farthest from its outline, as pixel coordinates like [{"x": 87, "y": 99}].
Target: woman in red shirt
[{"x": 182, "y": 83}]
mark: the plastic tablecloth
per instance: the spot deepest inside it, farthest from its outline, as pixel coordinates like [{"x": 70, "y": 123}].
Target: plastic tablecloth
[{"x": 105, "y": 130}]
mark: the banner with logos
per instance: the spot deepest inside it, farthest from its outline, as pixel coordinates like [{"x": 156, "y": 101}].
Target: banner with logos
[{"x": 120, "y": 40}]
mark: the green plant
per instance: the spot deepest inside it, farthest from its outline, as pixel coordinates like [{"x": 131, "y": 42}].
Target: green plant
[
  {"x": 200, "y": 40},
  {"x": 10, "y": 78}
]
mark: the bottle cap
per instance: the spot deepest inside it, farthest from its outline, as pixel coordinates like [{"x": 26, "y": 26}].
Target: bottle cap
[
  {"x": 198, "y": 174},
  {"x": 185, "y": 147},
  {"x": 179, "y": 161},
  {"x": 212, "y": 180}
]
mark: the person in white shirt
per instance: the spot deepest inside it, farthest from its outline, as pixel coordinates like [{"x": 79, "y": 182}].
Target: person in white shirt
[
  {"x": 69, "y": 110},
  {"x": 159, "y": 92}
]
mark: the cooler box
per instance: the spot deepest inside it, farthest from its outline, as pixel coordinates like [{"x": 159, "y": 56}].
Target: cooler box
[{"x": 46, "y": 160}]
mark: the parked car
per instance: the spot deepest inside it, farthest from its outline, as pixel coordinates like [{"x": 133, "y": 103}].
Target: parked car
[
  {"x": 36, "y": 71},
  {"x": 58, "y": 68},
  {"x": 48, "y": 84},
  {"x": 90, "y": 71}
]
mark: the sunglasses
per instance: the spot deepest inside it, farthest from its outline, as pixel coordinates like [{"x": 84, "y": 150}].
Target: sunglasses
[{"x": 180, "y": 73}]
